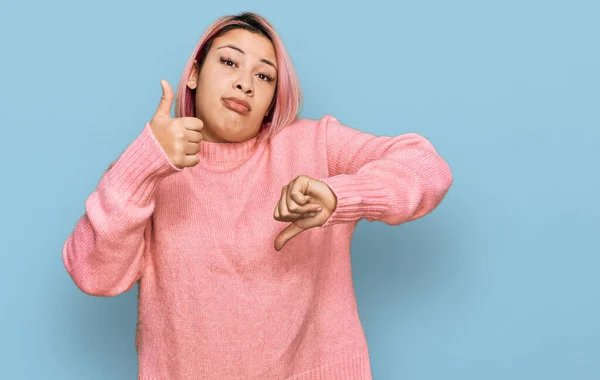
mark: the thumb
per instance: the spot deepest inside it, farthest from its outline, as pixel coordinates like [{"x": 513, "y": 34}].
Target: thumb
[
  {"x": 166, "y": 101},
  {"x": 286, "y": 235}
]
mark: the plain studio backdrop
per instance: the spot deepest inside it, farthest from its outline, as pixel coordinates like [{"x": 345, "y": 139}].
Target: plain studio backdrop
[{"x": 500, "y": 282}]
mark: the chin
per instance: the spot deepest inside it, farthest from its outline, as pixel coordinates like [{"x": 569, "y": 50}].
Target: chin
[
  {"x": 234, "y": 133},
  {"x": 228, "y": 126}
]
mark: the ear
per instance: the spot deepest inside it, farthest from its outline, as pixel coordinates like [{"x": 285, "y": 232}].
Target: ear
[{"x": 193, "y": 78}]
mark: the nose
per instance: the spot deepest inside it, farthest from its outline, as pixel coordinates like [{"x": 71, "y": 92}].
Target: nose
[
  {"x": 247, "y": 91},
  {"x": 244, "y": 84}
]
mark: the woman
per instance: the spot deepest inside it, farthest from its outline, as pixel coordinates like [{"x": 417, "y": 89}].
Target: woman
[{"x": 236, "y": 218}]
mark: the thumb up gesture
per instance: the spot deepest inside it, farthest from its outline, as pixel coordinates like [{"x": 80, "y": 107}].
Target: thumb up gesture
[
  {"x": 179, "y": 137},
  {"x": 307, "y": 203}
]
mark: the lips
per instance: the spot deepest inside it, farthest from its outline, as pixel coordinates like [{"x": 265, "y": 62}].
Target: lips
[{"x": 237, "y": 105}]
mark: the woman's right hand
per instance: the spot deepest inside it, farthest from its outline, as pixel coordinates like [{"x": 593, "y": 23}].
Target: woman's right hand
[{"x": 179, "y": 137}]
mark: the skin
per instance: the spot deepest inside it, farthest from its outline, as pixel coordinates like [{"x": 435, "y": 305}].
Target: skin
[
  {"x": 243, "y": 64},
  {"x": 227, "y": 72},
  {"x": 304, "y": 202}
]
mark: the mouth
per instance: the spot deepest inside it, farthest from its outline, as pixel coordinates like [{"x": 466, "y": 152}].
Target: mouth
[{"x": 237, "y": 105}]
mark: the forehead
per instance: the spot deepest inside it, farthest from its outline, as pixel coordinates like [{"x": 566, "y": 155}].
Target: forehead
[{"x": 253, "y": 44}]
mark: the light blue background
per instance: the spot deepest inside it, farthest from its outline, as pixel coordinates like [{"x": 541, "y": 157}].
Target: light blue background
[{"x": 500, "y": 282}]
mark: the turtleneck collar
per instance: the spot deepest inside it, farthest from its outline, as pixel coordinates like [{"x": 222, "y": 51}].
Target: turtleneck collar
[{"x": 227, "y": 152}]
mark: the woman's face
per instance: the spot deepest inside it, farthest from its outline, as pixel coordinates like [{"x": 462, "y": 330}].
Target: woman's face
[{"x": 241, "y": 67}]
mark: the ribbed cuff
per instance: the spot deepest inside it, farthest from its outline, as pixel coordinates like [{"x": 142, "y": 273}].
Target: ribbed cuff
[
  {"x": 138, "y": 170},
  {"x": 358, "y": 196}
]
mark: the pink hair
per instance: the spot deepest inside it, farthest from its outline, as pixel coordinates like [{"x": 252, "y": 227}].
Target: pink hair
[{"x": 288, "y": 94}]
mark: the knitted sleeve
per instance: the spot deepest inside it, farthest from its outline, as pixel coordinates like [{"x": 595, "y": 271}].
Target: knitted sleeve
[
  {"x": 105, "y": 253},
  {"x": 390, "y": 179}
]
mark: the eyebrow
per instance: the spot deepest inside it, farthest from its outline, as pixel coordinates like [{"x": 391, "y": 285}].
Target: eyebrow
[{"x": 241, "y": 51}]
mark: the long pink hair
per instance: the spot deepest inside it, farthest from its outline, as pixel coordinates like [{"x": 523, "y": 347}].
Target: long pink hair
[{"x": 288, "y": 94}]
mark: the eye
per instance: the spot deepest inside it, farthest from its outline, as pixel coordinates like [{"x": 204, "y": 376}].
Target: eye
[
  {"x": 265, "y": 77},
  {"x": 227, "y": 61}
]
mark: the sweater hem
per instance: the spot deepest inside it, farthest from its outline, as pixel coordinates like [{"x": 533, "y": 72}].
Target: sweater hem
[{"x": 356, "y": 367}]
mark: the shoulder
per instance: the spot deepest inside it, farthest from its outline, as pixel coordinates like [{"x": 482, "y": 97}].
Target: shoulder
[{"x": 306, "y": 128}]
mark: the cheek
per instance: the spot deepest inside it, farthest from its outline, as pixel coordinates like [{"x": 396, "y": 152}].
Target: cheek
[
  {"x": 213, "y": 81},
  {"x": 208, "y": 94},
  {"x": 266, "y": 99}
]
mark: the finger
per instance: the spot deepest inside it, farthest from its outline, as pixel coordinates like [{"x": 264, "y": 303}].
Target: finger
[
  {"x": 293, "y": 217},
  {"x": 192, "y": 123},
  {"x": 284, "y": 213},
  {"x": 289, "y": 202},
  {"x": 297, "y": 202},
  {"x": 294, "y": 208},
  {"x": 299, "y": 190},
  {"x": 190, "y": 160},
  {"x": 193, "y": 136},
  {"x": 191, "y": 148},
  {"x": 166, "y": 101},
  {"x": 286, "y": 235}
]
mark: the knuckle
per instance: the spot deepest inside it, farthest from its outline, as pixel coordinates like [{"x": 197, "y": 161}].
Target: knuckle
[
  {"x": 178, "y": 147},
  {"x": 179, "y": 134}
]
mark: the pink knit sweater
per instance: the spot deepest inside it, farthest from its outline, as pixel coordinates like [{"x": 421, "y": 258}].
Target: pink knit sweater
[{"x": 216, "y": 300}]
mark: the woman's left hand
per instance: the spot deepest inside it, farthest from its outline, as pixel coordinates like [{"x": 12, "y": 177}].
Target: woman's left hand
[{"x": 307, "y": 203}]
